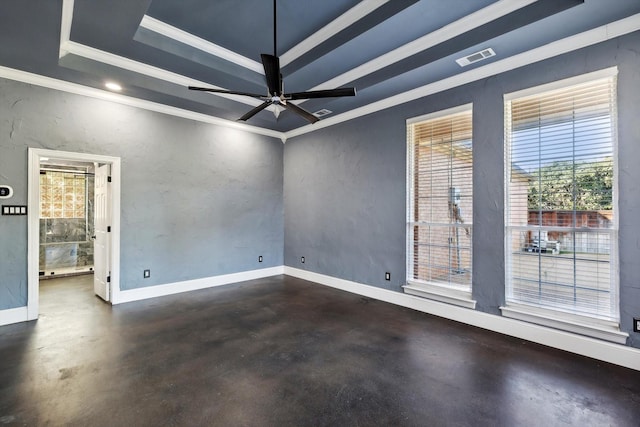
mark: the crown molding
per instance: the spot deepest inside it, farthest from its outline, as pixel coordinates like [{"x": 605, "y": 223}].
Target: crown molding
[
  {"x": 196, "y": 42},
  {"x": 101, "y": 56},
  {"x": 64, "y": 86},
  {"x": 461, "y": 26},
  {"x": 566, "y": 45},
  {"x": 65, "y": 25},
  {"x": 342, "y": 22},
  {"x": 569, "y": 44}
]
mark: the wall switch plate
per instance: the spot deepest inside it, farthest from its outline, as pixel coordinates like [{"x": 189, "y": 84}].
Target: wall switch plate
[
  {"x": 302, "y": 260},
  {"x": 260, "y": 258},
  {"x": 387, "y": 276},
  {"x": 636, "y": 324},
  {"x": 14, "y": 210},
  {"x": 146, "y": 274}
]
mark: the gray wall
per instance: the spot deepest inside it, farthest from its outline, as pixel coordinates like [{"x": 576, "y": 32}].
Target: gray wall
[
  {"x": 345, "y": 202},
  {"x": 345, "y": 186},
  {"x": 198, "y": 200}
]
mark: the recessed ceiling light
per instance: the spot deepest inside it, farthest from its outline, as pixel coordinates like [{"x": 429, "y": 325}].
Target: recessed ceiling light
[{"x": 113, "y": 86}]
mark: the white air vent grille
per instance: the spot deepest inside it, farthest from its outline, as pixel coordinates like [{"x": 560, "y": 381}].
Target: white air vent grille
[
  {"x": 322, "y": 113},
  {"x": 475, "y": 57}
]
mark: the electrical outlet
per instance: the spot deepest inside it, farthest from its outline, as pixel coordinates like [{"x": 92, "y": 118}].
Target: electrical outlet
[
  {"x": 302, "y": 260},
  {"x": 260, "y": 258},
  {"x": 636, "y": 324},
  {"x": 387, "y": 276},
  {"x": 146, "y": 274}
]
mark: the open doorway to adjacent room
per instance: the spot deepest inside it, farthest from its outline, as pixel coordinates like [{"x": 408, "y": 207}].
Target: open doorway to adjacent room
[
  {"x": 66, "y": 218},
  {"x": 73, "y": 227}
]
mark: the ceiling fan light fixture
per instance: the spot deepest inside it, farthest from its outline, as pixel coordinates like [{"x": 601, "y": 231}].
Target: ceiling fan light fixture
[{"x": 277, "y": 109}]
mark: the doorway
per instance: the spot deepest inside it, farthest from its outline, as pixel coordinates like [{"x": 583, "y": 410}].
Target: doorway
[
  {"x": 104, "y": 240},
  {"x": 66, "y": 218}
]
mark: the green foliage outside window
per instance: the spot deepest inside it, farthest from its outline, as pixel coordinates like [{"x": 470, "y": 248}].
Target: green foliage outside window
[{"x": 586, "y": 186}]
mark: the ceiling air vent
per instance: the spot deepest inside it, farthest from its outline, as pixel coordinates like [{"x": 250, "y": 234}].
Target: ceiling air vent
[
  {"x": 322, "y": 113},
  {"x": 475, "y": 57}
]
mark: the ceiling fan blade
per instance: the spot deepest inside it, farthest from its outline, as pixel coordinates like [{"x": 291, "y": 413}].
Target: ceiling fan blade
[
  {"x": 255, "y": 111},
  {"x": 300, "y": 111},
  {"x": 271, "y": 66},
  {"x": 330, "y": 93},
  {"x": 229, "y": 92}
]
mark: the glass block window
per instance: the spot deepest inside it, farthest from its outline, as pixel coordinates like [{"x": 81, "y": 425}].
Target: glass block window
[{"x": 62, "y": 195}]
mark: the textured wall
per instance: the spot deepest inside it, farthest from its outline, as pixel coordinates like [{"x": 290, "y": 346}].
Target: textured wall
[
  {"x": 628, "y": 53},
  {"x": 345, "y": 202},
  {"x": 345, "y": 185},
  {"x": 197, "y": 200}
]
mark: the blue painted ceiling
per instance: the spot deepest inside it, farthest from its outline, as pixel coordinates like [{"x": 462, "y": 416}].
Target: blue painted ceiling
[{"x": 114, "y": 40}]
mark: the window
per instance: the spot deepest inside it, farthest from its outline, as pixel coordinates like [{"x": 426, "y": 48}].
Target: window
[
  {"x": 62, "y": 194},
  {"x": 439, "y": 225},
  {"x": 561, "y": 225}
]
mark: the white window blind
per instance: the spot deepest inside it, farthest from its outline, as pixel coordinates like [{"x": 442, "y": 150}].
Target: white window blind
[
  {"x": 560, "y": 205},
  {"x": 440, "y": 166}
]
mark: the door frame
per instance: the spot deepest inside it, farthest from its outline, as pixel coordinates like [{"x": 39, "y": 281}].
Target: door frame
[{"x": 33, "y": 221}]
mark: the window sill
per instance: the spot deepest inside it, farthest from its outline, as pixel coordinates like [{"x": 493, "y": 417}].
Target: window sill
[
  {"x": 594, "y": 328},
  {"x": 440, "y": 293}
]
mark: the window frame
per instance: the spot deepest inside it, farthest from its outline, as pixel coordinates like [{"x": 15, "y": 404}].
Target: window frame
[
  {"x": 432, "y": 290},
  {"x": 556, "y": 317}
]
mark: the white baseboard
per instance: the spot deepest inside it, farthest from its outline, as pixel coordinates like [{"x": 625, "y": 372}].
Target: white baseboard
[
  {"x": 601, "y": 350},
  {"x": 13, "y": 315},
  {"x": 138, "y": 294}
]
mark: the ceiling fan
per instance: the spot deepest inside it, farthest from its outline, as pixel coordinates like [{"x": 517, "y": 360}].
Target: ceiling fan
[{"x": 276, "y": 95}]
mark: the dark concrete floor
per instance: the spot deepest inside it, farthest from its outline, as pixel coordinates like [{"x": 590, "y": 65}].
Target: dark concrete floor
[{"x": 282, "y": 351}]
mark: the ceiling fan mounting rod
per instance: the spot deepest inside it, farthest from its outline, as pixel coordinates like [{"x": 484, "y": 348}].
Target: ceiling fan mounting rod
[{"x": 275, "y": 86}]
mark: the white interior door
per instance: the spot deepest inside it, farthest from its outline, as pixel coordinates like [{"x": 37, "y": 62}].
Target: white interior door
[{"x": 102, "y": 235}]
